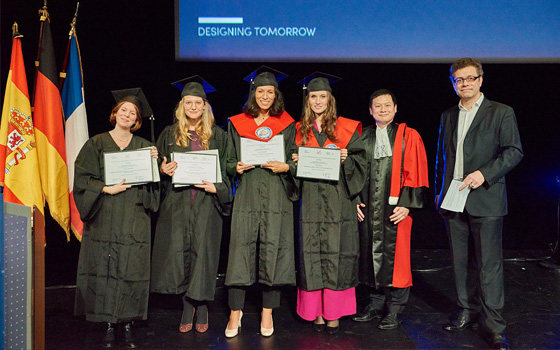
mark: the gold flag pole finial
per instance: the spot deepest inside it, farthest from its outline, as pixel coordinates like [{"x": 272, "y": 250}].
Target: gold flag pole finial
[
  {"x": 44, "y": 12},
  {"x": 15, "y": 31}
]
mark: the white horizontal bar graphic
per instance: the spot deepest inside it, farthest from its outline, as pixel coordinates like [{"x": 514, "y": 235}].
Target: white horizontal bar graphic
[{"x": 220, "y": 20}]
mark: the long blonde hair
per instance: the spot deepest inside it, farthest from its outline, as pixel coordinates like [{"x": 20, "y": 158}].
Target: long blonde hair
[
  {"x": 329, "y": 119},
  {"x": 203, "y": 128}
]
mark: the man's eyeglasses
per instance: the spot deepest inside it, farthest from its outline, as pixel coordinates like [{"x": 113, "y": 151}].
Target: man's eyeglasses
[{"x": 460, "y": 81}]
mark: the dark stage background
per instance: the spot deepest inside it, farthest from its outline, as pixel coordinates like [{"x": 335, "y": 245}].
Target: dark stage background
[{"x": 131, "y": 43}]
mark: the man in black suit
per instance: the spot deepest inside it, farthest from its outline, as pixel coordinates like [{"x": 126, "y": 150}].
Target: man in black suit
[{"x": 478, "y": 145}]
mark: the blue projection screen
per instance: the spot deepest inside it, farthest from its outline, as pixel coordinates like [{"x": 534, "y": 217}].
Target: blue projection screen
[{"x": 367, "y": 31}]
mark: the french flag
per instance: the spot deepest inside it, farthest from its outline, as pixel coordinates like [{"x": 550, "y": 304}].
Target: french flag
[{"x": 76, "y": 124}]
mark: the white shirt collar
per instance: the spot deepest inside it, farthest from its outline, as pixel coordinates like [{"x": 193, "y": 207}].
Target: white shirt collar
[{"x": 476, "y": 104}]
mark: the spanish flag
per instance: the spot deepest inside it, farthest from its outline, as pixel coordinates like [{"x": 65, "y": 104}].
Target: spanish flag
[
  {"x": 76, "y": 123},
  {"x": 49, "y": 131},
  {"x": 18, "y": 152}
]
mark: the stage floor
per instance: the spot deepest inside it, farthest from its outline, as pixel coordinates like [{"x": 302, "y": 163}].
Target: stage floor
[{"x": 532, "y": 310}]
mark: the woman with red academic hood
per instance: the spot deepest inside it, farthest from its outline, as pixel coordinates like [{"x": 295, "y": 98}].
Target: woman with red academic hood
[
  {"x": 262, "y": 234},
  {"x": 328, "y": 236}
]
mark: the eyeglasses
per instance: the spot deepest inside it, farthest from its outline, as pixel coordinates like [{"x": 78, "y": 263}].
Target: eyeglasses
[
  {"x": 460, "y": 81},
  {"x": 198, "y": 104}
]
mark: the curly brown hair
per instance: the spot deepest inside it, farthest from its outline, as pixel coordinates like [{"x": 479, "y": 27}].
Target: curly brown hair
[{"x": 466, "y": 62}]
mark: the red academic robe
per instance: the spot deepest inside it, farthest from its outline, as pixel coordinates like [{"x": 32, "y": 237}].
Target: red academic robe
[{"x": 400, "y": 180}]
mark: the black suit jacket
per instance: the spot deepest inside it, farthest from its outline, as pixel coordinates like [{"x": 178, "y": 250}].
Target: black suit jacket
[{"x": 492, "y": 145}]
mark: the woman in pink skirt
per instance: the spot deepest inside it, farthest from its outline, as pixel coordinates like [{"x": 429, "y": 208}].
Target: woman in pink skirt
[{"x": 328, "y": 235}]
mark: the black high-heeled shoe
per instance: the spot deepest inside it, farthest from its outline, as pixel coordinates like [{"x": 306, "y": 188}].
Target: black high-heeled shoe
[
  {"x": 333, "y": 330},
  {"x": 319, "y": 327},
  {"x": 129, "y": 338},
  {"x": 108, "y": 340}
]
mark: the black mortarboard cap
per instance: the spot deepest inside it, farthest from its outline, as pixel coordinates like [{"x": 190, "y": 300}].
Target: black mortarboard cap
[
  {"x": 194, "y": 86},
  {"x": 318, "y": 81},
  {"x": 135, "y": 96},
  {"x": 265, "y": 75}
]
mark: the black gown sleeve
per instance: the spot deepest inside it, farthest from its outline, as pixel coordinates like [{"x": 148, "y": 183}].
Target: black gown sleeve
[
  {"x": 88, "y": 181},
  {"x": 354, "y": 167}
]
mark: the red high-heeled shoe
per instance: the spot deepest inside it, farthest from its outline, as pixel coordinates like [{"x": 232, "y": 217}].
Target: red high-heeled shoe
[{"x": 186, "y": 327}]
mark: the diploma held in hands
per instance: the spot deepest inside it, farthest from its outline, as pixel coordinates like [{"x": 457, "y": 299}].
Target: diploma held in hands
[
  {"x": 193, "y": 167},
  {"x": 137, "y": 167},
  {"x": 318, "y": 163},
  {"x": 259, "y": 152},
  {"x": 454, "y": 199}
]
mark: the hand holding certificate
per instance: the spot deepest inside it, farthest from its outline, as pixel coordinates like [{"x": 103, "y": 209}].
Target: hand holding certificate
[
  {"x": 194, "y": 167},
  {"x": 259, "y": 152},
  {"x": 318, "y": 163},
  {"x": 454, "y": 199},
  {"x": 137, "y": 167}
]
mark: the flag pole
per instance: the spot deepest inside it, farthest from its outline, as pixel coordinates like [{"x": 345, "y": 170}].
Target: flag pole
[
  {"x": 15, "y": 31},
  {"x": 62, "y": 74},
  {"x": 44, "y": 17},
  {"x": 152, "y": 128}
]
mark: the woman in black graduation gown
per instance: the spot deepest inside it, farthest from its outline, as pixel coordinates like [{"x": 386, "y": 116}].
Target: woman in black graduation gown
[
  {"x": 262, "y": 239},
  {"x": 329, "y": 241},
  {"x": 113, "y": 277},
  {"x": 189, "y": 227}
]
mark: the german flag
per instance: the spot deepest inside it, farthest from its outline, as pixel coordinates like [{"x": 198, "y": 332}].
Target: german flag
[
  {"x": 18, "y": 152},
  {"x": 49, "y": 130}
]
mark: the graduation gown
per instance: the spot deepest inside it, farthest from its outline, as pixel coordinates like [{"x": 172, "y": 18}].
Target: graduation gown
[
  {"x": 186, "y": 249},
  {"x": 262, "y": 211},
  {"x": 113, "y": 277},
  {"x": 384, "y": 246},
  {"x": 328, "y": 228}
]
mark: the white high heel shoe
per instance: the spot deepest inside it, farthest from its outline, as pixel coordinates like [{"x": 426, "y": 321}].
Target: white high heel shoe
[
  {"x": 267, "y": 332},
  {"x": 230, "y": 333}
]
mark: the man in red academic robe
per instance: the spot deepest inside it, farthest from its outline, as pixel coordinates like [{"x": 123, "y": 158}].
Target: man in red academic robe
[{"x": 397, "y": 184}]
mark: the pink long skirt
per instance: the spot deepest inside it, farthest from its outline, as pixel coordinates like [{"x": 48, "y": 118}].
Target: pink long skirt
[{"x": 331, "y": 304}]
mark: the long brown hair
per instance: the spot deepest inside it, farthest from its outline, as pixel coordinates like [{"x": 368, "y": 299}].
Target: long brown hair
[
  {"x": 203, "y": 129},
  {"x": 329, "y": 119},
  {"x": 113, "y": 117},
  {"x": 252, "y": 108}
]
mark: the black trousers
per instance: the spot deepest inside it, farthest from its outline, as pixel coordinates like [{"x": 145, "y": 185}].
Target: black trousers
[
  {"x": 394, "y": 298},
  {"x": 478, "y": 266},
  {"x": 270, "y": 297}
]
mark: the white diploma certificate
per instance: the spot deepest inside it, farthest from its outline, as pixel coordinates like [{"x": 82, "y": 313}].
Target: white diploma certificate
[
  {"x": 454, "y": 199},
  {"x": 193, "y": 167},
  {"x": 255, "y": 152},
  {"x": 137, "y": 167},
  {"x": 318, "y": 163}
]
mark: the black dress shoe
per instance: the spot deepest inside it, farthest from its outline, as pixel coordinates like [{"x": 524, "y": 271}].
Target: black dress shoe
[
  {"x": 462, "y": 322},
  {"x": 129, "y": 336},
  {"x": 390, "y": 321},
  {"x": 368, "y": 314},
  {"x": 499, "y": 341},
  {"x": 319, "y": 327},
  {"x": 108, "y": 340}
]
